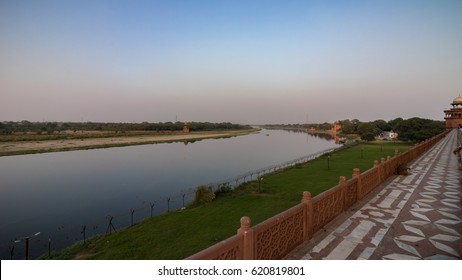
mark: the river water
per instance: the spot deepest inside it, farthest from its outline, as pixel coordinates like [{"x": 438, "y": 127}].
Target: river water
[{"x": 65, "y": 195}]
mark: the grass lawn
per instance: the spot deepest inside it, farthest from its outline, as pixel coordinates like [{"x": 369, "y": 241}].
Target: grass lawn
[{"x": 178, "y": 235}]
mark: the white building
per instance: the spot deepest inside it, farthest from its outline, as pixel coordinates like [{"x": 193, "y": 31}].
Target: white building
[{"x": 388, "y": 135}]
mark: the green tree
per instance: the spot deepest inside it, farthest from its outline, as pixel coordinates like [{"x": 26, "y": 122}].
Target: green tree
[
  {"x": 368, "y": 136},
  {"x": 382, "y": 125},
  {"x": 417, "y": 129},
  {"x": 349, "y": 127},
  {"x": 368, "y": 131}
]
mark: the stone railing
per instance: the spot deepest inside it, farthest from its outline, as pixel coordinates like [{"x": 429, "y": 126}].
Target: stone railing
[{"x": 278, "y": 235}]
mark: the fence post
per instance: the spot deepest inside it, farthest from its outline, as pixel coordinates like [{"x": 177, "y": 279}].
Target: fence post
[
  {"x": 132, "y": 211},
  {"x": 359, "y": 190},
  {"x": 49, "y": 247},
  {"x": 308, "y": 223},
  {"x": 152, "y": 206},
  {"x": 84, "y": 228},
  {"x": 247, "y": 233},
  {"x": 11, "y": 251},
  {"x": 110, "y": 226}
]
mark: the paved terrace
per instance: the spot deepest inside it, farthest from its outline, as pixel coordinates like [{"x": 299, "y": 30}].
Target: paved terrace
[{"x": 418, "y": 216}]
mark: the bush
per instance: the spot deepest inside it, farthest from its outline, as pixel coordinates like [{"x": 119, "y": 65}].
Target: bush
[
  {"x": 368, "y": 136},
  {"x": 204, "y": 195},
  {"x": 223, "y": 189}
]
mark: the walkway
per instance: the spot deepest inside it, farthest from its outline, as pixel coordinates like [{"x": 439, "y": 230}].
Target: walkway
[{"x": 418, "y": 216}]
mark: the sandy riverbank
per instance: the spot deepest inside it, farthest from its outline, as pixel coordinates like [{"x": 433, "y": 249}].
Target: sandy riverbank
[{"x": 30, "y": 147}]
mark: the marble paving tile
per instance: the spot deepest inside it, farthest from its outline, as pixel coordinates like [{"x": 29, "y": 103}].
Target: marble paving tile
[
  {"x": 448, "y": 230},
  {"x": 408, "y": 179},
  {"x": 324, "y": 243},
  {"x": 425, "y": 205},
  {"x": 387, "y": 201},
  {"x": 378, "y": 237},
  {"x": 420, "y": 216},
  {"x": 343, "y": 226},
  {"x": 401, "y": 204},
  {"x": 376, "y": 214},
  {"x": 346, "y": 247},
  {"x": 409, "y": 238},
  {"x": 445, "y": 237},
  {"x": 445, "y": 248},
  {"x": 436, "y": 181},
  {"x": 407, "y": 248},
  {"x": 342, "y": 251},
  {"x": 415, "y": 222},
  {"x": 414, "y": 230},
  {"x": 441, "y": 257},
  {"x": 428, "y": 196},
  {"x": 399, "y": 257},
  {"x": 453, "y": 205},
  {"x": 449, "y": 209},
  {"x": 452, "y": 195},
  {"x": 422, "y": 210},
  {"x": 366, "y": 253},
  {"x": 447, "y": 222},
  {"x": 449, "y": 215}
]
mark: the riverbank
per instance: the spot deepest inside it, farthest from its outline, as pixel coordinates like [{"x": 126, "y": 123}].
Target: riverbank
[
  {"x": 179, "y": 234},
  {"x": 85, "y": 143}
]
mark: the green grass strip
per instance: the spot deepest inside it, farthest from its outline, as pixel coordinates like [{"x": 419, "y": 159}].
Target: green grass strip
[{"x": 178, "y": 235}]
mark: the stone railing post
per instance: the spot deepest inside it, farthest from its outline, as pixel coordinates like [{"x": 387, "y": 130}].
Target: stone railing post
[
  {"x": 308, "y": 223},
  {"x": 379, "y": 169},
  {"x": 359, "y": 190},
  {"x": 382, "y": 162},
  {"x": 343, "y": 186},
  {"x": 247, "y": 233}
]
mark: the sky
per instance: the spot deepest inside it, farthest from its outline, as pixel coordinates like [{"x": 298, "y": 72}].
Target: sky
[{"x": 249, "y": 62}]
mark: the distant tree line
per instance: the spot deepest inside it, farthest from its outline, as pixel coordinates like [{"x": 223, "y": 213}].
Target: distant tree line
[
  {"x": 9, "y": 127},
  {"x": 413, "y": 129}
]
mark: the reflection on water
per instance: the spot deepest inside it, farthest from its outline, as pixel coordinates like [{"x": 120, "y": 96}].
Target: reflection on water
[{"x": 59, "y": 193}]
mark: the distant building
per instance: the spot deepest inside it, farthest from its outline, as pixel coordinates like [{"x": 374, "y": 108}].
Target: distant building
[
  {"x": 336, "y": 126},
  {"x": 453, "y": 118},
  {"x": 186, "y": 127},
  {"x": 387, "y": 135}
]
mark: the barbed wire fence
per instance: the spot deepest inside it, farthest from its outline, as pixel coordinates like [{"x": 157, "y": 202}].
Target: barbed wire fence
[{"x": 64, "y": 236}]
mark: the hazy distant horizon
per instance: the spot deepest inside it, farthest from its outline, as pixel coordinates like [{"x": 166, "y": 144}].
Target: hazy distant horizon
[
  {"x": 173, "y": 121},
  {"x": 247, "y": 62}
]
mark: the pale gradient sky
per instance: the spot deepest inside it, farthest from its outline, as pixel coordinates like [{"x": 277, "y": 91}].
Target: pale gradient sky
[{"x": 238, "y": 61}]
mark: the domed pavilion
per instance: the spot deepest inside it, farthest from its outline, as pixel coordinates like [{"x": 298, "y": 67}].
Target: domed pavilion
[{"x": 453, "y": 116}]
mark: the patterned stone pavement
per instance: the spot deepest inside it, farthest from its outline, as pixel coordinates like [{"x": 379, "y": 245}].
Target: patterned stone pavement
[{"x": 418, "y": 216}]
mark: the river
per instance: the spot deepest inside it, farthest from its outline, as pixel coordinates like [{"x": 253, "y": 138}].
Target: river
[{"x": 66, "y": 195}]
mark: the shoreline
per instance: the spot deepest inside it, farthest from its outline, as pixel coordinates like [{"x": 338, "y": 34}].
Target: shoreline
[
  {"x": 272, "y": 200},
  {"x": 48, "y": 146}
]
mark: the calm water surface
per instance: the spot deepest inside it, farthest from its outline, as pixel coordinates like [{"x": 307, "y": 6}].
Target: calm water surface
[{"x": 56, "y": 193}]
